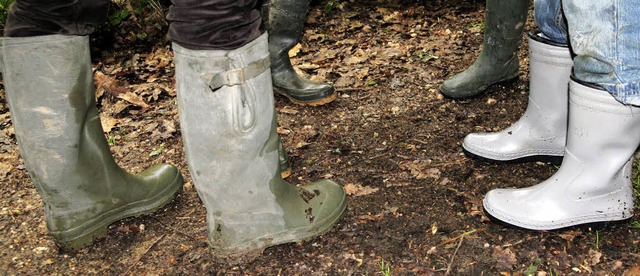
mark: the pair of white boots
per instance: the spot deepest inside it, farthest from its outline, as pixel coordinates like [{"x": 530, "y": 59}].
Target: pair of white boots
[{"x": 596, "y": 135}]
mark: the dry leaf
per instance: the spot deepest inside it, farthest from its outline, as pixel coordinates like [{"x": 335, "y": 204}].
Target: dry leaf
[
  {"x": 369, "y": 217},
  {"x": 595, "y": 257},
  {"x": 166, "y": 131},
  {"x": 295, "y": 50},
  {"x": 288, "y": 110},
  {"x": 5, "y": 168},
  {"x": 108, "y": 123},
  {"x": 359, "y": 190},
  {"x": 505, "y": 258},
  {"x": 108, "y": 84},
  {"x": 133, "y": 99},
  {"x": 301, "y": 144}
]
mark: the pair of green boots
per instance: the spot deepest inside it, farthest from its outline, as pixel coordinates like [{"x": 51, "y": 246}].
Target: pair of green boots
[
  {"x": 229, "y": 134},
  {"x": 498, "y": 61}
]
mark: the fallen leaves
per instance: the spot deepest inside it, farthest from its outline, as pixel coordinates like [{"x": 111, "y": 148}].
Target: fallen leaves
[
  {"x": 421, "y": 169},
  {"x": 359, "y": 190},
  {"x": 134, "y": 99},
  {"x": 5, "y": 168}
]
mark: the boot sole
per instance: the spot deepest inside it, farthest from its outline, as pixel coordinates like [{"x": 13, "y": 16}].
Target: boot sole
[
  {"x": 554, "y": 160},
  {"x": 446, "y": 92},
  {"x": 286, "y": 173},
  {"x": 240, "y": 254},
  {"x": 70, "y": 241},
  {"x": 584, "y": 221},
  {"x": 317, "y": 102}
]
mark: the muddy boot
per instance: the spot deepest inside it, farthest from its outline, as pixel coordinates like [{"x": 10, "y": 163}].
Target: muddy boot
[
  {"x": 285, "y": 23},
  {"x": 540, "y": 133},
  {"x": 1, "y": 62},
  {"x": 229, "y": 132},
  {"x": 594, "y": 182},
  {"x": 51, "y": 95},
  {"x": 283, "y": 160},
  {"x": 498, "y": 60}
]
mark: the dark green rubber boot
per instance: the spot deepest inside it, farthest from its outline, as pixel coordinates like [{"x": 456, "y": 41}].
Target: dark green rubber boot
[
  {"x": 51, "y": 95},
  {"x": 285, "y": 22},
  {"x": 283, "y": 160},
  {"x": 498, "y": 60},
  {"x": 231, "y": 143}
]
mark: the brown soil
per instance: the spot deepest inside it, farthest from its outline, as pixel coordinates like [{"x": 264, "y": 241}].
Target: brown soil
[{"x": 390, "y": 138}]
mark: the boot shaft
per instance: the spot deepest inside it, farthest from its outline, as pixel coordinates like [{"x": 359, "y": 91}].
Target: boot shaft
[
  {"x": 600, "y": 127},
  {"x": 51, "y": 95},
  {"x": 285, "y": 23},
  {"x": 227, "y": 131},
  {"x": 504, "y": 25}
]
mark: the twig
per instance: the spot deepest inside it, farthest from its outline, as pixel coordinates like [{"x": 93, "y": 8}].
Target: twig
[
  {"x": 457, "y": 237},
  {"x": 143, "y": 254},
  {"x": 421, "y": 142},
  {"x": 379, "y": 155},
  {"x": 453, "y": 256},
  {"x": 173, "y": 229}
]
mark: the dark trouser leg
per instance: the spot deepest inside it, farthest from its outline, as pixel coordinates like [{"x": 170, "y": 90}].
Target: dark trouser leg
[
  {"x": 67, "y": 17},
  {"x": 214, "y": 24}
]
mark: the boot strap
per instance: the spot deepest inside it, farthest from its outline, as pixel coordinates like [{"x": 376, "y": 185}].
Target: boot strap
[{"x": 237, "y": 76}]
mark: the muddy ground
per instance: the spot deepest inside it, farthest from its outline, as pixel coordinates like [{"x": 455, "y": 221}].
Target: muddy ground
[{"x": 415, "y": 199}]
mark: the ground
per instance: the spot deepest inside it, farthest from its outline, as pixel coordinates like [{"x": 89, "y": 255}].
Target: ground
[{"x": 392, "y": 140}]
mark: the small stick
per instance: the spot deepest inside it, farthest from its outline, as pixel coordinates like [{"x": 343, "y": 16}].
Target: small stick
[{"x": 453, "y": 256}]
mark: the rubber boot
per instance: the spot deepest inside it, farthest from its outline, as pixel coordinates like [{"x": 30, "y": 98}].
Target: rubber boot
[
  {"x": 227, "y": 116},
  {"x": 285, "y": 23},
  {"x": 283, "y": 160},
  {"x": 594, "y": 182},
  {"x": 1, "y": 59},
  {"x": 540, "y": 133},
  {"x": 51, "y": 94},
  {"x": 498, "y": 60}
]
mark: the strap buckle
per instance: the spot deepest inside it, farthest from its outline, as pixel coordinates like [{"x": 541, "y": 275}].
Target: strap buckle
[{"x": 237, "y": 76}]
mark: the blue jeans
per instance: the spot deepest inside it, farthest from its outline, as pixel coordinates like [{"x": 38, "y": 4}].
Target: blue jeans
[{"x": 605, "y": 38}]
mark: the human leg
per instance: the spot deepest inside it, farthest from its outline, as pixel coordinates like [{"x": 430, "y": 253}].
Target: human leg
[
  {"x": 285, "y": 23},
  {"x": 593, "y": 183},
  {"x": 541, "y": 131},
  {"x": 51, "y": 95},
  {"x": 227, "y": 116},
  {"x": 498, "y": 60}
]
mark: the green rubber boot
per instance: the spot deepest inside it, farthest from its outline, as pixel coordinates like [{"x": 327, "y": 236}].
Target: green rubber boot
[
  {"x": 229, "y": 132},
  {"x": 51, "y": 94},
  {"x": 285, "y": 23},
  {"x": 498, "y": 60},
  {"x": 283, "y": 160}
]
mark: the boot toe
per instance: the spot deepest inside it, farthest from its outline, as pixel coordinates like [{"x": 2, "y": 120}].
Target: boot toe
[
  {"x": 488, "y": 146},
  {"x": 328, "y": 204},
  {"x": 313, "y": 94},
  {"x": 506, "y": 205}
]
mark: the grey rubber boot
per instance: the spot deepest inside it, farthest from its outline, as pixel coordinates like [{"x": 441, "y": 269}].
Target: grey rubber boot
[
  {"x": 51, "y": 94},
  {"x": 285, "y": 23},
  {"x": 1, "y": 59},
  {"x": 540, "y": 133},
  {"x": 593, "y": 183},
  {"x": 227, "y": 116},
  {"x": 498, "y": 60}
]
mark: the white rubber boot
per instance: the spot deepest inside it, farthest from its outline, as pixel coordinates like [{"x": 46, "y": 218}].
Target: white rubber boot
[
  {"x": 541, "y": 130},
  {"x": 594, "y": 181}
]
